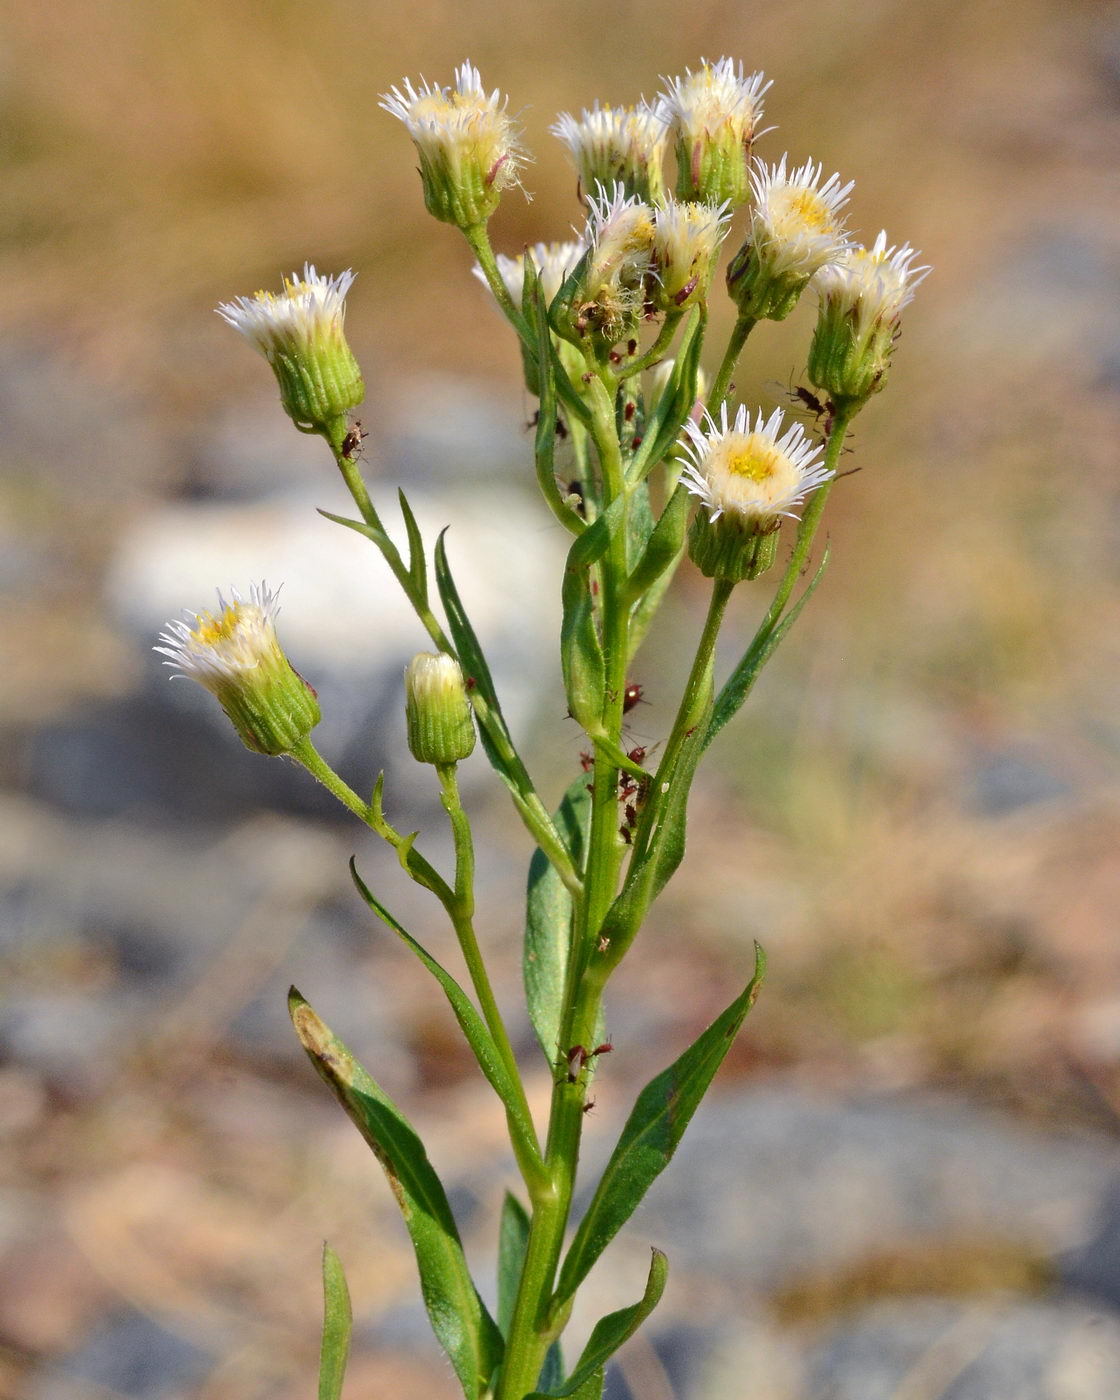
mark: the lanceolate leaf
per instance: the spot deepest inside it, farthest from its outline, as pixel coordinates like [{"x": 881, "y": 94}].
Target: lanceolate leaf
[
  {"x": 591, "y": 1389},
  {"x": 473, "y": 1026},
  {"x": 548, "y": 925},
  {"x": 654, "y": 1129},
  {"x": 739, "y": 683},
  {"x": 337, "y": 1321},
  {"x": 614, "y": 1329},
  {"x": 459, "y": 1319},
  {"x": 663, "y": 426},
  {"x": 417, "y": 565}
]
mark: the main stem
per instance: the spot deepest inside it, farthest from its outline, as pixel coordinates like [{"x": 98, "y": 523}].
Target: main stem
[{"x": 532, "y": 1329}]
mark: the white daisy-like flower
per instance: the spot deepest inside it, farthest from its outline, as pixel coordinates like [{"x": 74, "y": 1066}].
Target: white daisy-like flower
[
  {"x": 714, "y": 115},
  {"x": 796, "y": 223},
  {"x": 466, "y": 142},
  {"x": 617, "y": 144},
  {"x": 234, "y": 653},
  {"x": 862, "y": 295},
  {"x": 619, "y": 233},
  {"x": 686, "y": 242},
  {"x": 553, "y": 261},
  {"x": 874, "y": 283},
  {"x": 300, "y": 333},
  {"x": 753, "y": 474}
]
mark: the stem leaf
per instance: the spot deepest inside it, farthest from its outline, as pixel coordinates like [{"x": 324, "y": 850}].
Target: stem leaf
[
  {"x": 417, "y": 565},
  {"x": 613, "y": 1330},
  {"x": 513, "y": 1240},
  {"x": 591, "y": 1389},
  {"x": 548, "y": 925},
  {"x": 459, "y": 1318},
  {"x": 741, "y": 681},
  {"x": 474, "y": 1028},
  {"x": 337, "y": 1323},
  {"x": 664, "y": 546},
  {"x": 652, "y": 1133}
]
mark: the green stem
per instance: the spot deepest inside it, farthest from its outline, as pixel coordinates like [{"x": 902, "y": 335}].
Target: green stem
[
  {"x": 479, "y": 239},
  {"x": 722, "y": 383},
  {"x": 810, "y": 519},
  {"x": 460, "y": 909},
  {"x": 532, "y": 1328},
  {"x": 656, "y": 351}
]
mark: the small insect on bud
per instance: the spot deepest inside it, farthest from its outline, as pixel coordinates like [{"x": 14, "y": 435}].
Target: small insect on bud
[
  {"x": 608, "y": 302},
  {"x": 862, "y": 295},
  {"x": 299, "y": 331},
  {"x": 624, "y": 145},
  {"x": 466, "y": 143},
  {"x": 713, "y": 117},
  {"x": 796, "y": 229},
  {"x": 746, "y": 480},
  {"x": 438, "y": 711},
  {"x": 235, "y": 655}
]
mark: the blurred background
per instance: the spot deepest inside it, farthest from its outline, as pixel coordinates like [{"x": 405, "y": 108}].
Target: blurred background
[{"x": 903, "y": 1187}]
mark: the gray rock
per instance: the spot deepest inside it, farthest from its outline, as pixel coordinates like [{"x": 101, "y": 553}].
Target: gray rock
[{"x": 130, "y": 1354}]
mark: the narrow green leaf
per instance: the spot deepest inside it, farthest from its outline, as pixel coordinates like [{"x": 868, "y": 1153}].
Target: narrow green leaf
[
  {"x": 655, "y": 1127},
  {"x": 471, "y": 1023},
  {"x": 615, "y": 1329},
  {"x": 665, "y": 544},
  {"x": 379, "y": 537},
  {"x": 337, "y": 1322},
  {"x": 639, "y": 524},
  {"x": 513, "y": 1240},
  {"x": 544, "y": 383},
  {"x": 459, "y": 1318},
  {"x": 581, "y": 653},
  {"x": 741, "y": 681},
  {"x": 548, "y": 925},
  {"x": 417, "y": 565},
  {"x": 664, "y": 425}
]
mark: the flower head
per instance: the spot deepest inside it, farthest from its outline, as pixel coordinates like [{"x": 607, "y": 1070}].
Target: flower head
[
  {"x": 440, "y": 723},
  {"x": 624, "y": 145},
  {"x": 713, "y": 116},
  {"x": 862, "y": 294},
  {"x": 746, "y": 478},
  {"x": 299, "y": 331},
  {"x": 234, "y": 653},
  {"x": 686, "y": 241},
  {"x": 796, "y": 229},
  {"x": 466, "y": 142}
]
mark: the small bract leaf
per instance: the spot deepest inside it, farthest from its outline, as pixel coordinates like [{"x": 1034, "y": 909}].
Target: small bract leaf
[{"x": 337, "y": 1322}]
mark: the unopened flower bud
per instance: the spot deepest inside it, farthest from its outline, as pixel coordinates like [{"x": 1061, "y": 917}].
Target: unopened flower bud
[
  {"x": 440, "y": 723},
  {"x": 299, "y": 331},
  {"x": 235, "y": 655},
  {"x": 796, "y": 229},
  {"x": 466, "y": 143},
  {"x": 861, "y": 298},
  {"x": 686, "y": 240},
  {"x": 746, "y": 480},
  {"x": 713, "y": 117},
  {"x": 617, "y": 145}
]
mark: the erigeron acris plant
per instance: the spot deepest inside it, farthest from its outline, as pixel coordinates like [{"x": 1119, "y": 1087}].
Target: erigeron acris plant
[{"x": 611, "y": 330}]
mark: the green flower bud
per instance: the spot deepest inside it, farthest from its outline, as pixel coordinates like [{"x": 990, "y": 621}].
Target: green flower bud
[
  {"x": 746, "y": 479},
  {"x": 466, "y": 143},
  {"x": 440, "y": 722},
  {"x": 235, "y": 655},
  {"x": 713, "y": 116},
  {"x": 796, "y": 229},
  {"x": 606, "y": 293},
  {"x": 861, "y": 298},
  {"x": 300, "y": 333}
]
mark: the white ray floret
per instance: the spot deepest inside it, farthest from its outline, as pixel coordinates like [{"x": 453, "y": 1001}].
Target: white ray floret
[
  {"x": 616, "y": 143},
  {"x": 310, "y": 310},
  {"x": 716, "y": 95},
  {"x": 686, "y": 240},
  {"x": 227, "y": 646},
  {"x": 756, "y": 473},
  {"x": 873, "y": 283},
  {"x": 797, "y": 223}
]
